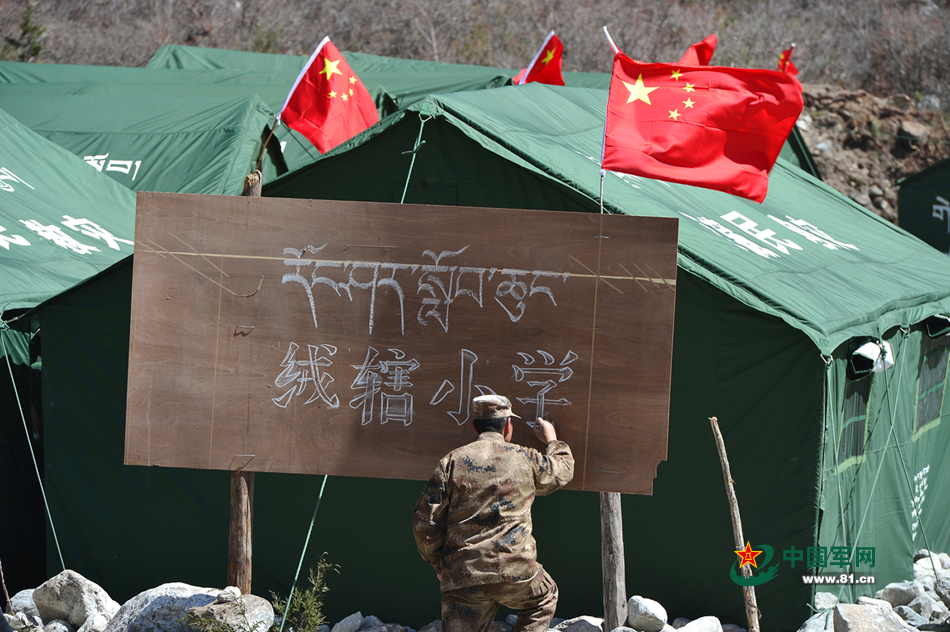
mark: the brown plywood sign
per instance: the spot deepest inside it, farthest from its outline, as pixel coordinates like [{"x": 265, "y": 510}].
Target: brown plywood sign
[{"x": 348, "y": 338}]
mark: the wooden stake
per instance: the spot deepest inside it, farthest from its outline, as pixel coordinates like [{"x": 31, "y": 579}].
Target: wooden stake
[
  {"x": 751, "y": 608},
  {"x": 240, "y": 528},
  {"x": 611, "y": 536}
]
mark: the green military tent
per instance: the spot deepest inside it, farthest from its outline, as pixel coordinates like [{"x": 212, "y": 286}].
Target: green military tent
[
  {"x": 774, "y": 301},
  {"x": 60, "y": 223},
  {"x": 923, "y": 205},
  {"x": 157, "y": 142}
]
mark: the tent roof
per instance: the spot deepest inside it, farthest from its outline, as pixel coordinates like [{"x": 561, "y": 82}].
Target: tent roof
[
  {"x": 86, "y": 220},
  {"x": 807, "y": 255},
  {"x": 158, "y": 142}
]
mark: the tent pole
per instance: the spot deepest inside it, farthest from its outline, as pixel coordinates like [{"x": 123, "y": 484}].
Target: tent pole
[
  {"x": 751, "y": 607},
  {"x": 611, "y": 538}
]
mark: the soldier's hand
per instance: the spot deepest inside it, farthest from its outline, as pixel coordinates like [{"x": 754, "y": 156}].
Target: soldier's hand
[{"x": 544, "y": 430}]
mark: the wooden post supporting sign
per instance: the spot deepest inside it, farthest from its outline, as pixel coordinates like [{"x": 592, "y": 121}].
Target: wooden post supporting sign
[
  {"x": 242, "y": 486},
  {"x": 611, "y": 536}
]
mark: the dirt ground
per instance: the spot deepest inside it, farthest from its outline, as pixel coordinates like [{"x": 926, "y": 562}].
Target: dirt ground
[{"x": 864, "y": 144}]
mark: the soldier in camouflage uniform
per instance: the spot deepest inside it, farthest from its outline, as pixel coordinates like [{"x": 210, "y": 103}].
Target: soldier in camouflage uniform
[{"x": 473, "y": 522}]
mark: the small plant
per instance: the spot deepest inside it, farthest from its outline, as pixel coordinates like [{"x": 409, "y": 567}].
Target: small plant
[
  {"x": 305, "y": 613},
  {"x": 267, "y": 39},
  {"x": 27, "y": 46}
]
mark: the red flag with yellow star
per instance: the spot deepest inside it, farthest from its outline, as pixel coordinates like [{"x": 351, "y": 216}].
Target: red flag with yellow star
[
  {"x": 328, "y": 104},
  {"x": 700, "y": 54},
  {"x": 707, "y": 126},
  {"x": 785, "y": 61},
  {"x": 546, "y": 65}
]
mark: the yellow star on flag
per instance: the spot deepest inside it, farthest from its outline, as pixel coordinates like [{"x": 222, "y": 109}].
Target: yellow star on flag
[
  {"x": 639, "y": 92},
  {"x": 344, "y": 96},
  {"x": 332, "y": 93},
  {"x": 689, "y": 87},
  {"x": 330, "y": 68},
  {"x": 352, "y": 79},
  {"x": 676, "y": 75},
  {"x": 688, "y": 103},
  {"x": 674, "y": 114},
  {"x": 747, "y": 556},
  {"x": 351, "y": 91},
  {"x": 548, "y": 57}
]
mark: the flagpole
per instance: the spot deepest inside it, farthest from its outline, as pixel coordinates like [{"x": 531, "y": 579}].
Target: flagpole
[
  {"x": 264, "y": 146},
  {"x": 602, "y": 174}
]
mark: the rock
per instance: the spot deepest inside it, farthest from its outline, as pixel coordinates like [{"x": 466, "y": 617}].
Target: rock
[
  {"x": 929, "y": 103},
  {"x": 581, "y": 624},
  {"x": 732, "y": 627},
  {"x": 923, "y": 605},
  {"x": 72, "y": 597},
  {"x": 395, "y": 627},
  {"x": 58, "y": 625},
  {"x": 944, "y": 561},
  {"x": 435, "y": 626},
  {"x": 23, "y": 621},
  {"x": 243, "y": 613},
  {"x": 23, "y": 602},
  {"x": 861, "y": 618},
  {"x": 819, "y": 622},
  {"x": 5, "y": 625},
  {"x": 645, "y": 614},
  {"x": 900, "y": 593},
  {"x": 913, "y": 131},
  {"x": 703, "y": 624},
  {"x": 371, "y": 622},
  {"x": 161, "y": 609},
  {"x": 679, "y": 622},
  {"x": 325, "y": 628},
  {"x": 349, "y": 624},
  {"x": 623, "y": 628},
  {"x": 875, "y": 192},
  {"x": 98, "y": 622},
  {"x": 942, "y": 588},
  {"x": 825, "y": 600},
  {"x": 901, "y": 101},
  {"x": 909, "y": 616},
  {"x": 870, "y": 601},
  {"x": 511, "y": 620}
]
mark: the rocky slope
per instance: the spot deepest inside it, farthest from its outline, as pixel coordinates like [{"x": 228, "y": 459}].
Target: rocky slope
[{"x": 864, "y": 144}]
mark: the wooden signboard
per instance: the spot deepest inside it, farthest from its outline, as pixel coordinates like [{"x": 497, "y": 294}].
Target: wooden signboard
[{"x": 348, "y": 338}]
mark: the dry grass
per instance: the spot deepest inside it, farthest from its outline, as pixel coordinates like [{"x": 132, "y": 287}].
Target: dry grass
[{"x": 883, "y": 46}]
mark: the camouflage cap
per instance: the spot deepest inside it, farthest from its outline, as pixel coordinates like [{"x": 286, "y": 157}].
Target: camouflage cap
[{"x": 492, "y": 407}]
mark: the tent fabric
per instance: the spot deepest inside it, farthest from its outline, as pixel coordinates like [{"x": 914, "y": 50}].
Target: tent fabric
[
  {"x": 195, "y": 144},
  {"x": 61, "y": 221},
  {"x": 861, "y": 281},
  {"x": 923, "y": 203}
]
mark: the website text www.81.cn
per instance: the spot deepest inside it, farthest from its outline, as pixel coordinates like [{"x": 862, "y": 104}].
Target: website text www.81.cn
[{"x": 843, "y": 578}]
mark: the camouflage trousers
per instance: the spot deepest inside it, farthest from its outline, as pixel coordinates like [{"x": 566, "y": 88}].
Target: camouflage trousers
[{"x": 472, "y": 609}]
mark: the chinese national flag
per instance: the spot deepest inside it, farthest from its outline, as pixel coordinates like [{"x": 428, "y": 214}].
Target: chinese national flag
[
  {"x": 785, "y": 61},
  {"x": 328, "y": 103},
  {"x": 546, "y": 65},
  {"x": 707, "y": 126},
  {"x": 700, "y": 54}
]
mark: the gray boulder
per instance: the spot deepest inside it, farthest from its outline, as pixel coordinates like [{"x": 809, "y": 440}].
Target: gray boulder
[
  {"x": 645, "y": 614},
  {"x": 5, "y": 623},
  {"x": 923, "y": 605},
  {"x": 732, "y": 627},
  {"x": 371, "y": 622},
  {"x": 679, "y": 622},
  {"x": 161, "y": 609},
  {"x": 860, "y": 618},
  {"x": 624, "y": 628},
  {"x": 942, "y": 588},
  {"x": 819, "y": 622},
  {"x": 244, "y": 613},
  {"x": 864, "y": 600},
  {"x": 349, "y": 624},
  {"x": 909, "y": 616},
  {"x": 900, "y": 593},
  {"x": 825, "y": 600},
  {"x": 23, "y": 602},
  {"x": 581, "y": 624},
  {"x": 23, "y": 621},
  {"x": 703, "y": 624},
  {"x": 944, "y": 560},
  {"x": 58, "y": 625},
  {"x": 72, "y": 597},
  {"x": 95, "y": 623}
]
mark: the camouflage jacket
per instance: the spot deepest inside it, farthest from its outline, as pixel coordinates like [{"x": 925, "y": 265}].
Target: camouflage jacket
[{"x": 473, "y": 521}]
